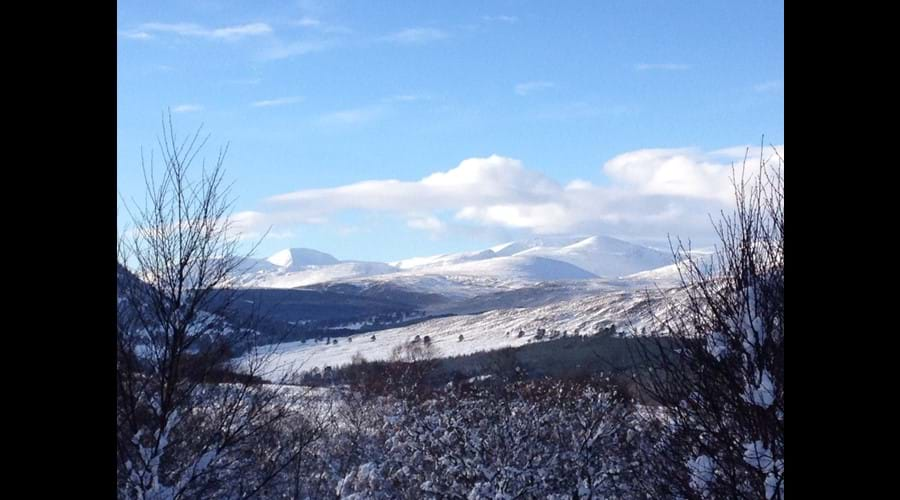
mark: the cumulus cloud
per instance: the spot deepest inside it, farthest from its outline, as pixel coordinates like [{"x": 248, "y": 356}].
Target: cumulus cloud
[
  {"x": 649, "y": 193},
  {"x": 428, "y": 223}
]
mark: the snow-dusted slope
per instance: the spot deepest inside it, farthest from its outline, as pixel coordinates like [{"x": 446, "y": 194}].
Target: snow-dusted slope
[
  {"x": 516, "y": 267},
  {"x": 311, "y": 275},
  {"x": 474, "y": 278},
  {"x": 604, "y": 256},
  {"x": 294, "y": 267},
  {"x": 503, "y": 250},
  {"x": 481, "y": 332},
  {"x": 443, "y": 259},
  {"x": 668, "y": 275}
]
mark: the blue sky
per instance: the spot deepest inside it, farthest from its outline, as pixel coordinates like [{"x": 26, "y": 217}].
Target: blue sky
[{"x": 384, "y": 130}]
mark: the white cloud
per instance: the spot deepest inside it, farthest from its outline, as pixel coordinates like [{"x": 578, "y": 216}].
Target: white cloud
[
  {"x": 526, "y": 88},
  {"x": 662, "y": 67},
  {"x": 187, "y": 108},
  {"x": 675, "y": 172},
  {"x": 428, "y": 223},
  {"x": 416, "y": 35},
  {"x": 196, "y": 30},
  {"x": 649, "y": 193},
  {"x": 281, "y": 101}
]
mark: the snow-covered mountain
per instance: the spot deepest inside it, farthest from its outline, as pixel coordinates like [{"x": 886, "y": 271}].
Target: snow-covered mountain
[
  {"x": 299, "y": 259},
  {"x": 504, "y": 266},
  {"x": 296, "y": 267},
  {"x": 443, "y": 259},
  {"x": 516, "y": 267},
  {"x": 604, "y": 256}
]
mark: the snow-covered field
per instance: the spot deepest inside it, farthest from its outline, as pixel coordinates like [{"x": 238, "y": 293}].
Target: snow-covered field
[{"x": 481, "y": 332}]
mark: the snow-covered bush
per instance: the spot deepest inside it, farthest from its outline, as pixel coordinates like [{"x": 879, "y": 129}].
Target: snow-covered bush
[
  {"x": 723, "y": 383},
  {"x": 528, "y": 440}
]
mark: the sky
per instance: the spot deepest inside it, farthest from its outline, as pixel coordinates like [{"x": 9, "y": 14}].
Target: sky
[{"x": 386, "y": 130}]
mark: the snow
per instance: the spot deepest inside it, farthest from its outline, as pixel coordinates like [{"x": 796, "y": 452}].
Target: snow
[
  {"x": 763, "y": 394},
  {"x": 443, "y": 259},
  {"x": 507, "y": 265},
  {"x": 521, "y": 268},
  {"x": 296, "y": 258},
  {"x": 604, "y": 256},
  {"x": 313, "y": 274},
  {"x": 702, "y": 472},
  {"x": 482, "y": 332}
]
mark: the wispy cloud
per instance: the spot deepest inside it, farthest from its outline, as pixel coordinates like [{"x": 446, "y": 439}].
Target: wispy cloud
[
  {"x": 319, "y": 25},
  {"x": 135, "y": 35},
  {"x": 584, "y": 110},
  {"x": 526, "y": 88},
  {"x": 501, "y": 19},
  {"x": 281, "y": 101},
  {"x": 406, "y": 98},
  {"x": 770, "y": 86},
  {"x": 196, "y": 30},
  {"x": 285, "y": 51},
  {"x": 662, "y": 67},
  {"x": 307, "y": 22},
  {"x": 372, "y": 112},
  {"x": 187, "y": 108},
  {"x": 354, "y": 116},
  {"x": 244, "y": 81},
  {"x": 416, "y": 35}
]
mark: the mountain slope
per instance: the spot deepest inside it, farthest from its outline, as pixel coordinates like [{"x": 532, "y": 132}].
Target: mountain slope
[
  {"x": 481, "y": 332},
  {"x": 604, "y": 256},
  {"x": 516, "y": 267},
  {"x": 311, "y": 275}
]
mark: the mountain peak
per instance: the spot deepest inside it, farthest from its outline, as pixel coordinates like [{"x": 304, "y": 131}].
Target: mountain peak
[{"x": 296, "y": 258}]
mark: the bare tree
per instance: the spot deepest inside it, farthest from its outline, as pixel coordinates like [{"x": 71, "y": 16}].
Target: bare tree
[
  {"x": 411, "y": 365},
  {"x": 718, "y": 368},
  {"x": 188, "y": 422}
]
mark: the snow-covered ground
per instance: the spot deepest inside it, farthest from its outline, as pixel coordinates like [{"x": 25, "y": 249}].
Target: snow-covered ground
[{"x": 481, "y": 332}]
